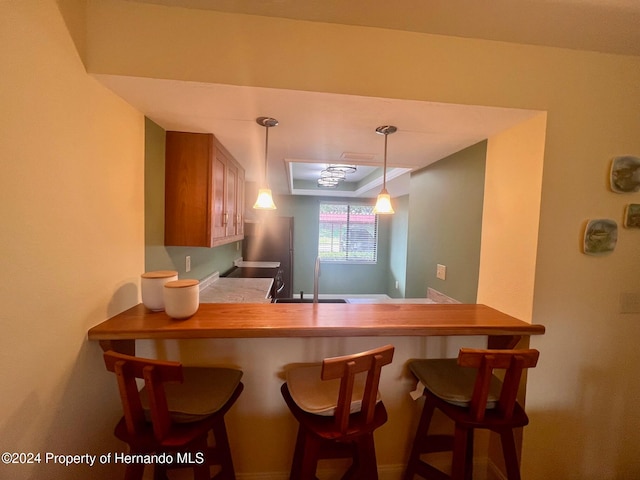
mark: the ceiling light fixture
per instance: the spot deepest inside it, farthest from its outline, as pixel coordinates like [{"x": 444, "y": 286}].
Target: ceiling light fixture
[
  {"x": 335, "y": 175},
  {"x": 331, "y": 178},
  {"x": 265, "y": 199},
  {"x": 327, "y": 182},
  {"x": 340, "y": 167},
  {"x": 383, "y": 203}
]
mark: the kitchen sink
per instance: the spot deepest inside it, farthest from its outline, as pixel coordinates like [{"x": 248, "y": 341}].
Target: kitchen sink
[{"x": 309, "y": 300}]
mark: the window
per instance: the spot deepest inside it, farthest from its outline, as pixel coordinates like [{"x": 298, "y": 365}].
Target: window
[{"x": 348, "y": 233}]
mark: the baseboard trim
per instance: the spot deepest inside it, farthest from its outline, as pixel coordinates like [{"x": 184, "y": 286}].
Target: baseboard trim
[
  {"x": 263, "y": 476},
  {"x": 385, "y": 472},
  {"x": 486, "y": 470}
]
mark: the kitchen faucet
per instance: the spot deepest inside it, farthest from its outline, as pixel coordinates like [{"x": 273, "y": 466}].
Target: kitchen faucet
[{"x": 316, "y": 279}]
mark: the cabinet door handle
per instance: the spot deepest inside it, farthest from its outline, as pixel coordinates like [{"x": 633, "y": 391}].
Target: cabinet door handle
[{"x": 225, "y": 217}]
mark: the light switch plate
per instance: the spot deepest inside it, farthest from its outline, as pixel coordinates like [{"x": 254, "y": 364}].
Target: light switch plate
[{"x": 441, "y": 272}]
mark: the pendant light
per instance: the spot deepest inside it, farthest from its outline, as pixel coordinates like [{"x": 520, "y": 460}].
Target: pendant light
[
  {"x": 265, "y": 199},
  {"x": 383, "y": 203}
]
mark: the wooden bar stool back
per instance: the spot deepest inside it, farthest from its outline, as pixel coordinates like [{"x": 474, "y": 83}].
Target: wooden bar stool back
[
  {"x": 174, "y": 412},
  {"x": 338, "y": 407},
  {"x": 472, "y": 399}
]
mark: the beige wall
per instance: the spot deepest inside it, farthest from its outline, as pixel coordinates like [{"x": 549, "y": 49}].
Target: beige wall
[
  {"x": 591, "y": 102},
  {"x": 511, "y": 214},
  {"x": 71, "y": 240}
]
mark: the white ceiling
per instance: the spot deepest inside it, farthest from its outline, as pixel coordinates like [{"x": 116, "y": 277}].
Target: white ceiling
[{"x": 317, "y": 129}]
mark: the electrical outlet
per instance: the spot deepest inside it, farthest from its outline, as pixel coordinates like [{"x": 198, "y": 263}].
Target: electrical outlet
[
  {"x": 187, "y": 264},
  {"x": 441, "y": 272},
  {"x": 397, "y": 284}
]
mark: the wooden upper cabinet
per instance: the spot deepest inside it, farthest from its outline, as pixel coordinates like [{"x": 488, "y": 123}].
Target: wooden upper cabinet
[
  {"x": 203, "y": 192},
  {"x": 230, "y": 220},
  {"x": 240, "y": 204},
  {"x": 220, "y": 166}
]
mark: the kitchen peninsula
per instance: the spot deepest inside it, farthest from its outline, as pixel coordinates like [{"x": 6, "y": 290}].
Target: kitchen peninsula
[
  {"x": 264, "y": 339},
  {"x": 249, "y": 320}
]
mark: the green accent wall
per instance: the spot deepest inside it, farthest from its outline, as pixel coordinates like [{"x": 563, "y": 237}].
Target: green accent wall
[
  {"x": 445, "y": 223},
  {"x": 204, "y": 261},
  {"x": 334, "y": 278},
  {"x": 398, "y": 241}
]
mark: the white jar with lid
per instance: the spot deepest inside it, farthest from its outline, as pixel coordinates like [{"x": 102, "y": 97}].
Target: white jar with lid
[
  {"x": 181, "y": 298},
  {"x": 152, "y": 284}
]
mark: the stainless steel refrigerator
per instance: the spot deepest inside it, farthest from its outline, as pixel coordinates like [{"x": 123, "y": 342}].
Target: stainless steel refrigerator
[{"x": 271, "y": 240}]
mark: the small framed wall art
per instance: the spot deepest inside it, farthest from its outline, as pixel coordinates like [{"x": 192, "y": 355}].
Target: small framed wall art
[
  {"x": 632, "y": 216},
  {"x": 625, "y": 174},
  {"x": 600, "y": 236}
]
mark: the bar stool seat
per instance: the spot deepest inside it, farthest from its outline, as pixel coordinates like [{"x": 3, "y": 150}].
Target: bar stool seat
[
  {"x": 174, "y": 412},
  {"x": 466, "y": 390},
  {"x": 317, "y": 396},
  {"x": 338, "y": 407},
  {"x": 203, "y": 391}
]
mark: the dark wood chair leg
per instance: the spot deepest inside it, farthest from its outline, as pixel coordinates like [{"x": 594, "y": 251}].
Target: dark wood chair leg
[
  {"x": 309, "y": 460},
  {"x": 159, "y": 472},
  {"x": 223, "y": 450},
  {"x": 366, "y": 455},
  {"x": 134, "y": 472},
  {"x": 408, "y": 473},
  {"x": 461, "y": 454},
  {"x": 298, "y": 452},
  {"x": 510, "y": 454},
  {"x": 468, "y": 461},
  {"x": 201, "y": 472},
  {"x": 355, "y": 469},
  {"x": 305, "y": 456},
  {"x": 419, "y": 440}
]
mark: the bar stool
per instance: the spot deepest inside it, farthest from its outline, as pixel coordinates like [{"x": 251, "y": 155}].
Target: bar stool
[
  {"x": 472, "y": 399},
  {"x": 174, "y": 418},
  {"x": 338, "y": 407}
]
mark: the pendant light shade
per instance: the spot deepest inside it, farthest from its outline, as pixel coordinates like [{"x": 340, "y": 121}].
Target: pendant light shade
[
  {"x": 265, "y": 199},
  {"x": 383, "y": 203}
]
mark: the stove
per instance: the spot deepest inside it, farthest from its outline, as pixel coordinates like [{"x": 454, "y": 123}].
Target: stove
[{"x": 260, "y": 272}]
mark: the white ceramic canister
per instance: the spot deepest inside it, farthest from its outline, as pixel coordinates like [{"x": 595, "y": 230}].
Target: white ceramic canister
[
  {"x": 152, "y": 284},
  {"x": 181, "y": 298}
]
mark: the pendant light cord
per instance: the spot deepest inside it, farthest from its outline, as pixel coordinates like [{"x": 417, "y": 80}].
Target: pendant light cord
[
  {"x": 385, "y": 130},
  {"x": 384, "y": 170},
  {"x": 266, "y": 149}
]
